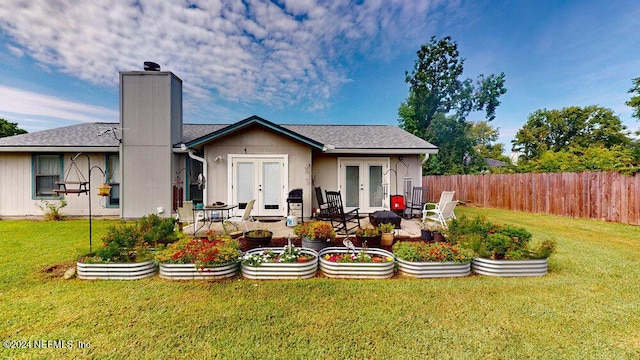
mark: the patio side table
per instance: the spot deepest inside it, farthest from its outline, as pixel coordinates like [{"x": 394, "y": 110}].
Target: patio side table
[{"x": 383, "y": 216}]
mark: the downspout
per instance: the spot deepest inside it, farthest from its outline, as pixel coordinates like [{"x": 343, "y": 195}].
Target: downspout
[{"x": 205, "y": 172}]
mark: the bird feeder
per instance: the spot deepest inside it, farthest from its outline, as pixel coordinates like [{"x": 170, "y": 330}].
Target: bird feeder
[{"x": 104, "y": 190}]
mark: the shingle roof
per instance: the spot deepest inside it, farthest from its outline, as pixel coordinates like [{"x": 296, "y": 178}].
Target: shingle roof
[
  {"x": 361, "y": 136},
  {"x": 337, "y": 136},
  {"x": 81, "y": 135}
]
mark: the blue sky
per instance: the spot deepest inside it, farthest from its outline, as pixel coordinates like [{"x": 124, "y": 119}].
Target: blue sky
[{"x": 310, "y": 61}]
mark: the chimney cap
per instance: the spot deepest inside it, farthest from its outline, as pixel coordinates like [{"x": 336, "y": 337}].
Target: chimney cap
[{"x": 151, "y": 66}]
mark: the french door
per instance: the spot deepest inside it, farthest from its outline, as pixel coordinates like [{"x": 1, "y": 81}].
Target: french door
[
  {"x": 362, "y": 182},
  {"x": 262, "y": 178}
]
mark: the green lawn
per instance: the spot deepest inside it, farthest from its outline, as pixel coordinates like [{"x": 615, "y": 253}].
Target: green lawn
[{"x": 587, "y": 307}]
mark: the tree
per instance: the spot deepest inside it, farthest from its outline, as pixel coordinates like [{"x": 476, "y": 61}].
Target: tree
[
  {"x": 435, "y": 87},
  {"x": 485, "y": 137},
  {"x": 595, "y": 158},
  {"x": 635, "y": 100},
  {"x": 456, "y": 153},
  {"x": 557, "y": 130},
  {"x": 437, "y": 94},
  {"x": 9, "y": 129}
]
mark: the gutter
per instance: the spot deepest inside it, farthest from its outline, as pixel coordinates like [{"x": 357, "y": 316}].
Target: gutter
[
  {"x": 330, "y": 149},
  {"x": 205, "y": 170}
]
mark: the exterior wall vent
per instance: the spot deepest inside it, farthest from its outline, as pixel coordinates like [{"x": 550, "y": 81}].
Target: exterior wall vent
[{"x": 151, "y": 66}]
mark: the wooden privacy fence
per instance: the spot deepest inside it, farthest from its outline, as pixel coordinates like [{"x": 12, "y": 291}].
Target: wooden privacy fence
[{"x": 593, "y": 195}]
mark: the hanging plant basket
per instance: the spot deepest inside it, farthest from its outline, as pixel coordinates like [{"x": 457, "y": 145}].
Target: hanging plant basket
[{"x": 104, "y": 190}]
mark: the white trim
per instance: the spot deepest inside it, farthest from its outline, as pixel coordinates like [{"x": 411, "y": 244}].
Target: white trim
[
  {"x": 285, "y": 181},
  {"x": 364, "y": 161}
]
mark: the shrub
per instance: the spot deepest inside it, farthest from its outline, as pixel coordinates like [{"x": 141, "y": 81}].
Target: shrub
[
  {"x": 52, "y": 209},
  {"x": 156, "y": 230},
  {"x": 131, "y": 242},
  {"x": 496, "y": 241}
]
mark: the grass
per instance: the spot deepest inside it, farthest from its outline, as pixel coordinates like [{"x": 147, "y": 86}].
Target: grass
[{"x": 587, "y": 307}]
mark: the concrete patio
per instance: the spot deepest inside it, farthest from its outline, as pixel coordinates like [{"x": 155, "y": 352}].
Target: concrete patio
[{"x": 410, "y": 228}]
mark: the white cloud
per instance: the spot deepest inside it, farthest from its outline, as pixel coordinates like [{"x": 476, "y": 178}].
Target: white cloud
[
  {"x": 37, "y": 110},
  {"x": 249, "y": 52}
]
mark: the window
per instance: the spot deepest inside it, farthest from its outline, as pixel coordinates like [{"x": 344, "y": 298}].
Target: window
[
  {"x": 47, "y": 169},
  {"x": 113, "y": 179}
]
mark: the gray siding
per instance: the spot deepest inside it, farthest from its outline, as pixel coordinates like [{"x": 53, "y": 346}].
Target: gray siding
[
  {"x": 16, "y": 187},
  {"x": 151, "y": 118}
]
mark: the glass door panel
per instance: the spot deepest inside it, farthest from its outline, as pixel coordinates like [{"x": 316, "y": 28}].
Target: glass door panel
[
  {"x": 375, "y": 186},
  {"x": 245, "y": 183},
  {"x": 351, "y": 195},
  {"x": 271, "y": 184}
]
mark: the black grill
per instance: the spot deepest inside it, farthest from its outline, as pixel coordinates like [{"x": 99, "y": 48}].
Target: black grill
[{"x": 295, "y": 197}]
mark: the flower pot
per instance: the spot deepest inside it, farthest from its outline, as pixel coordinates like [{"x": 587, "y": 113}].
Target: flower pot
[
  {"x": 438, "y": 236},
  {"x": 314, "y": 244},
  {"x": 255, "y": 241},
  {"x": 126, "y": 271},
  {"x": 386, "y": 239},
  {"x": 431, "y": 269},
  {"x": 274, "y": 271},
  {"x": 191, "y": 272},
  {"x": 356, "y": 270},
  {"x": 372, "y": 241},
  {"x": 426, "y": 235},
  {"x": 537, "y": 267}
]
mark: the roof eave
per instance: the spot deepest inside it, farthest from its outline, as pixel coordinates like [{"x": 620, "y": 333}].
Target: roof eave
[
  {"x": 248, "y": 122},
  {"x": 379, "y": 151},
  {"x": 89, "y": 149}
]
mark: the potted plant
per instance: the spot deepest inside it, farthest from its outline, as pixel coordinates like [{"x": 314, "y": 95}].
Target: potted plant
[
  {"x": 288, "y": 262},
  {"x": 440, "y": 259},
  {"x": 503, "y": 250},
  {"x": 126, "y": 252},
  {"x": 387, "y": 234},
  {"x": 213, "y": 257},
  {"x": 371, "y": 235},
  {"x": 425, "y": 231},
  {"x": 315, "y": 235},
  {"x": 356, "y": 263},
  {"x": 258, "y": 237},
  {"x": 437, "y": 232}
]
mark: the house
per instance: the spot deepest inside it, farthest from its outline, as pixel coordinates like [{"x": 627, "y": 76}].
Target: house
[{"x": 153, "y": 161}]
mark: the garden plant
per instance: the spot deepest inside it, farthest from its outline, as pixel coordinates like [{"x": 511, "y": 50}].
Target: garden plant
[{"x": 583, "y": 308}]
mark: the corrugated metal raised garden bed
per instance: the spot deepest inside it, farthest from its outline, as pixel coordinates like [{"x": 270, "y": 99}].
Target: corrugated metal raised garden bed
[
  {"x": 191, "y": 272},
  {"x": 125, "y": 271},
  {"x": 279, "y": 263},
  {"x": 357, "y": 263}
]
